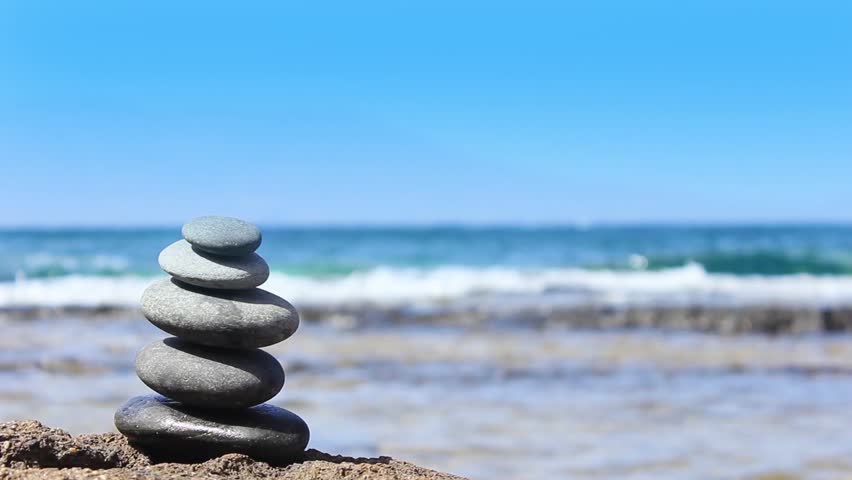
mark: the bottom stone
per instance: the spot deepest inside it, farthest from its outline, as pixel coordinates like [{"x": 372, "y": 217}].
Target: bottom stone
[{"x": 170, "y": 431}]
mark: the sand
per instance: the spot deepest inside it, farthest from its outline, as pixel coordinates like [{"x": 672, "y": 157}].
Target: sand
[
  {"x": 29, "y": 450},
  {"x": 725, "y": 320}
]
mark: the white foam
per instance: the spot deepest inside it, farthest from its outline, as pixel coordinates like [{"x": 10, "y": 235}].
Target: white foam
[
  {"x": 689, "y": 284},
  {"x": 74, "y": 290}
]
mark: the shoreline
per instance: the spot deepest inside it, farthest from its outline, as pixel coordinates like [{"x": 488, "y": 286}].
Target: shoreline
[
  {"x": 724, "y": 320},
  {"x": 30, "y": 450}
]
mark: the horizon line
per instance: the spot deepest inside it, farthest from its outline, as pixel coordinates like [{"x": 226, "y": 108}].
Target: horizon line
[{"x": 473, "y": 225}]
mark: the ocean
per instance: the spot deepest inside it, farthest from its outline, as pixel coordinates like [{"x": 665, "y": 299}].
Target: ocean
[
  {"x": 537, "y": 266},
  {"x": 628, "y": 352}
]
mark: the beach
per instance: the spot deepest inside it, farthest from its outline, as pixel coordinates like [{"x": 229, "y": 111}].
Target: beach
[
  {"x": 487, "y": 354},
  {"x": 31, "y": 450},
  {"x": 426, "y": 240}
]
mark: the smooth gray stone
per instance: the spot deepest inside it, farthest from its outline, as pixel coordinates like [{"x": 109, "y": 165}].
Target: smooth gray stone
[
  {"x": 203, "y": 269},
  {"x": 169, "y": 431},
  {"x": 222, "y": 235},
  {"x": 208, "y": 376},
  {"x": 219, "y": 318}
]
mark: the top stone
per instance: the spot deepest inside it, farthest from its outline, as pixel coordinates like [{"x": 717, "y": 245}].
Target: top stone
[{"x": 226, "y": 236}]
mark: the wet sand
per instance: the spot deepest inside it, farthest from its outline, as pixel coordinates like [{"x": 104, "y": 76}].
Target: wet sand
[
  {"x": 771, "y": 319},
  {"x": 491, "y": 400}
]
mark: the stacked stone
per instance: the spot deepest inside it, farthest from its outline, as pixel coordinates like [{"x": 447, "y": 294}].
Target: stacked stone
[{"x": 212, "y": 376}]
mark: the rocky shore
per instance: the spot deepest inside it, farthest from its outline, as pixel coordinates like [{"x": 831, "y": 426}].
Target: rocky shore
[
  {"x": 29, "y": 450},
  {"x": 759, "y": 319},
  {"x": 720, "y": 320}
]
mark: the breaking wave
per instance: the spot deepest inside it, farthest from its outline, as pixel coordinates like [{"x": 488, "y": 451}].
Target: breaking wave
[{"x": 686, "y": 284}]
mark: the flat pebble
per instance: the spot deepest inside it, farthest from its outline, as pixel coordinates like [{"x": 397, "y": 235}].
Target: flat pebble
[
  {"x": 203, "y": 269},
  {"x": 219, "y": 318},
  {"x": 170, "y": 431},
  {"x": 213, "y": 377},
  {"x": 222, "y": 235}
]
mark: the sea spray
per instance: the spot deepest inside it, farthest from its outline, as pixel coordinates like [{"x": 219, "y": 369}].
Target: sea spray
[{"x": 384, "y": 286}]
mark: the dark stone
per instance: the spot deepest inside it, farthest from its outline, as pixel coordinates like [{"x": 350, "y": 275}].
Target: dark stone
[
  {"x": 836, "y": 319},
  {"x": 219, "y": 318},
  {"x": 222, "y": 235},
  {"x": 208, "y": 376},
  {"x": 170, "y": 431}
]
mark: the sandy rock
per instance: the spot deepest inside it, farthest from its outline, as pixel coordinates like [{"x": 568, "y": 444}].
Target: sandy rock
[{"x": 29, "y": 450}]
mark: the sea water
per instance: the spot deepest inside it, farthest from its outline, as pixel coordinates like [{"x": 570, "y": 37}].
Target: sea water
[
  {"x": 484, "y": 400},
  {"x": 330, "y": 266}
]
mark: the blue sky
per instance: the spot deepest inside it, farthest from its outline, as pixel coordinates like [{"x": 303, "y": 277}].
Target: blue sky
[{"x": 420, "y": 112}]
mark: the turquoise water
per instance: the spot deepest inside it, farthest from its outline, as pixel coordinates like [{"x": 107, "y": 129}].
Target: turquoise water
[
  {"x": 324, "y": 252},
  {"x": 536, "y": 266}
]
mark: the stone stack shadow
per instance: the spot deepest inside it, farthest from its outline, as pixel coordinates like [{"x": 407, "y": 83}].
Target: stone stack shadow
[{"x": 212, "y": 376}]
